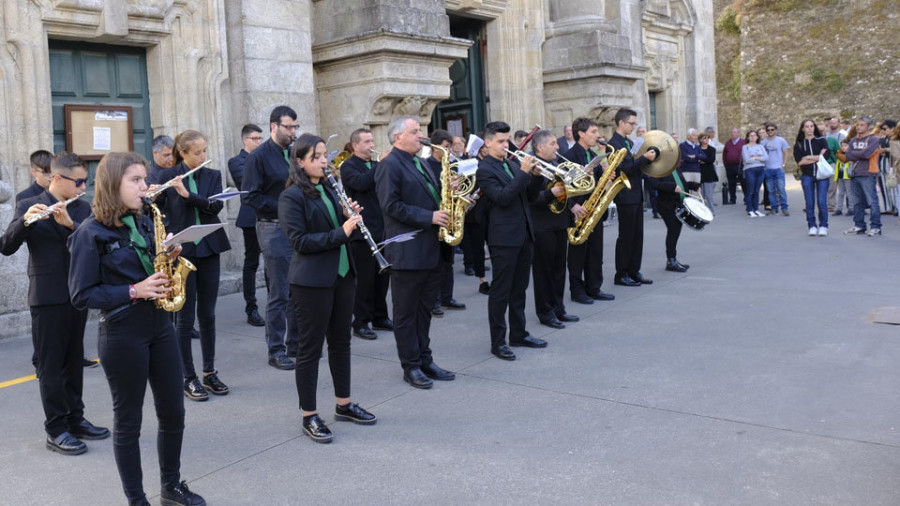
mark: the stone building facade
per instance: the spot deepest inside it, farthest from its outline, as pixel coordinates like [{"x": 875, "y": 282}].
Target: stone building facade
[{"x": 214, "y": 65}]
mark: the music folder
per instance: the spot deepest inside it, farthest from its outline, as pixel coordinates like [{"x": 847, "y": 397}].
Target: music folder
[{"x": 191, "y": 234}]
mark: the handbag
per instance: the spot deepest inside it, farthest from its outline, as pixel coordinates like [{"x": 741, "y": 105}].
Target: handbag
[
  {"x": 824, "y": 170},
  {"x": 891, "y": 180}
]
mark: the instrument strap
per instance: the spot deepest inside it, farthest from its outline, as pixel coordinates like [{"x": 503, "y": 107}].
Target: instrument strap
[{"x": 679, "y": 183}]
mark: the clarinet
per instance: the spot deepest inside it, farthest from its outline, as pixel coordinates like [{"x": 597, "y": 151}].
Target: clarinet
[{"x": 383, "y": 264}]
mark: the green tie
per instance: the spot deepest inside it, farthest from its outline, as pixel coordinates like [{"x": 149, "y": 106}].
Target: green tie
[
  {"x": 434, "y": 195},
  {"x": 139, "y": 242},
  {"x": 192, "y": 186},
  {"x": 628, "y": 144},
  {"x": 287, "y": 158},
  {"x": 369, "y": 165},
  {"x": 344, "y": 263},
  {"x": 508, "y": 172},
  {"x": 589, "y": 153}
]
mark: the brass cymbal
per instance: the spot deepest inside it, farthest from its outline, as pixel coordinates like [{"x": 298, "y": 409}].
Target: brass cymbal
[{"x": 668, "y": 157}]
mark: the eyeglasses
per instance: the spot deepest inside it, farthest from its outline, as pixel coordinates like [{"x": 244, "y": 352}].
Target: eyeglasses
[
  {"x": 78, "y": 182},
  {"x": 632, "y": 123},
  {"x": 289, "y": 127},
  {"x": 770, "y": 130},
  {"x": 255, "y": 139}
]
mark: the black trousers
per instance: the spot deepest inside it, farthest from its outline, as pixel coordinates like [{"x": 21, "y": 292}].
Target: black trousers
[
  {"x": 323, "y": 313},
  {"x": 445, "y": 294},
  {"x": 57, "y": 332},
  {"x": 251, "y": 265},
  {"x": 549, "y": 272},
  {"x": 139, "y": 347},
  {"x": 413, "y": 295},
  {"x": 370, "y": 302},
  {"x": 473, "y": 247},
  {"x": 511, "y": 266},
  {"x": 585, "y": 264},
  {"x": 673, "y": 230},
  {"x": 733, "y": 173},
  {"x": 630, "y": 244},
  {"x": 201, "y": 294}
]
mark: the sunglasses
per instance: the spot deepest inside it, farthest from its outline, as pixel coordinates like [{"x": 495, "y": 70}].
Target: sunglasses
[
  {"x": 78, "y": 182},
  {"x": 770, "y": 130}
]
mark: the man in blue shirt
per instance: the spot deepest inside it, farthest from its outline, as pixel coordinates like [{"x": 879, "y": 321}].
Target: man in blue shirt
[{"x": 778, "y": 150}]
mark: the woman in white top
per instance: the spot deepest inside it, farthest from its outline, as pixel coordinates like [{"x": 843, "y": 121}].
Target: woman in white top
[{"x": 754, "y": 157}]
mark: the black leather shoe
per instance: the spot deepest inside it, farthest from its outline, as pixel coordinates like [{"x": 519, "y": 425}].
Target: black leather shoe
[
  {"x": 88, "y": 364},
  {"x": 86, "y": 430},
  {"x": 213, "y": 384},
  {"x": 529, "y": 342},
  {"x": 365, "y": 333},
  {"x": 553, "y": 323},
  {"x": 194, "y": 391},
  {"x": 626, "y": 281},
  {"x": 315, "y": 428},
  {"x": 601, "y": 295},
  {"x": 484, "y": 288},
  {"x": 66, "y": 444},
  {"x": 254, "y": 318},
  {"x": 435, "y": 372},
  {"x": 469, "y": 271},
  {"x": 282, "y": 362},
  {"x": 417, "y": 378},
  {"x": 582, "y": 298},
  {"x": 672, "y": 265},
  {"x": 353, "y": 413},
  {"x": 437, "y": 312},
  {"x": 641, "y": 279},
  {"x": 503, "y": 353},
  {"x": 452, "y": 304},
  {"x": 565, "y": 317},
  {"x": 385, "y": 324},
  {"x": 686, "y": 266},
  {"x": 181, "y": 495}
]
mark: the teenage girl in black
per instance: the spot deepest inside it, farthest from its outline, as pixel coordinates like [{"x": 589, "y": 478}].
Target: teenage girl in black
[
  {"x": 112, "y": 270},
  {"x": 323, "y": 282}
]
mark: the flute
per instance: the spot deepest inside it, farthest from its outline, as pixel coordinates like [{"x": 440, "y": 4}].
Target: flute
[
  {"x": 382, "y": 262},
  {"x": 47, "y": 212},
  {"x": 168, "y": 184}
]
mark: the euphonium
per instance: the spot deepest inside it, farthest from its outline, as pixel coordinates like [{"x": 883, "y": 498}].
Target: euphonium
[
  {"x": 600, "y": 199},
  {"x": 455, "y": 190},
  {"x": 177, "y": 274}
]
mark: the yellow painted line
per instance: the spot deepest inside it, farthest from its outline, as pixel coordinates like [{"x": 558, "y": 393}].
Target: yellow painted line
[{"x": 26, "y": 379}]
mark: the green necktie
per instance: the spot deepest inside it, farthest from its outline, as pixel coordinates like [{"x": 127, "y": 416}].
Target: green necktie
[
  {"x": 508, "y": 172},
  {"x": 344, "y": 263},
  {"x": 139, "y": 242},
  {"x": 434, "y": 195},
  {"x": 287, "y": 158},
  {"x": 192, "y": 186},
  {"x": 589, "y": 153},
  {"x": 628, "y": 144},
  {"x": 369, "y": 165}
]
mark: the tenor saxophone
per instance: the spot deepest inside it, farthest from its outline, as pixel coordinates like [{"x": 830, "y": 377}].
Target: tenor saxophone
[
  {"x": 455, "y": 190},
  {"x": 600, "y": 199},
  {"x": 176, "y": 269}
]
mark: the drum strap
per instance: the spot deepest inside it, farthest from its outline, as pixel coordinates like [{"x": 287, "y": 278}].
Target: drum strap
[{"x": 679, "y": 183}]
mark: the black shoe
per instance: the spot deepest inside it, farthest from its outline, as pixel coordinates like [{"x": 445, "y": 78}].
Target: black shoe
[
  {"x": 469, "y": 271},
  {"x": 452, "y": 304},
  {"x": 88, "y": 364},
  {"x": 672, "y": 265},
  {"x": 180, "y": 496},
  {"x": 282, "y": 362},
  {"x": 292, "y": 354},
  {"x": 195, "y": 334},
  {"x": 565, "y": 317},
  {"x": 254, "y": 318},
  {"x": 503, "y": 353},
  {"x": 66, "y": 444},
  {"x": 213, "y": 384},
  {"x": 686, "y": 266},
  {"x": 484, "y": 287},
  {"x": 417, "y": 378},
  {"x": 365, "y": 333},
  {"x": 529, "y": 342},
  {"x": 837, "y": 213},
  {"x": 487, "y": 268},
  {"x": 641, "y": 279},
  {"x": 353, "y": 413},
  {"x": 435, "y": 372},
  {"x": 553, "y": 323},
  {"x": 316, "y": 429},
  {"x": 194, "y": 391},
  {"x": 582, "y": 298},
  {"x": 656, "y": 216},
  {"x": 385, "y": 324},
  {"x": 626, "y": 281},
  {"x": 601, "y": 295},
  {"x": 86, "y": 430},
  {"x": 437, "y": 312}
]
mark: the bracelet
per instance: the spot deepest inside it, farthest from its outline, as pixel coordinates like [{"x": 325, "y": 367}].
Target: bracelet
[{"x": 132, "y": 292}]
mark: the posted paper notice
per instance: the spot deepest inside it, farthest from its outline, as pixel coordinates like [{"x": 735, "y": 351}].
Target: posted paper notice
[{"x": 102, "y": 139}]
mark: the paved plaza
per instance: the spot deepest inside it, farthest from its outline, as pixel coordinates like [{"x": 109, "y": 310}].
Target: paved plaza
[{"x": 756, "y": 378}]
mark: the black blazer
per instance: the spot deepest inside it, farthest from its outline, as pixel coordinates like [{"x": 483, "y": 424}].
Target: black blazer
[
  {"x": 48, "y": 257},
  {"x": 179, "y": 211},
  {"x": 359, "y": 183},
  {"x": 315, "y": 241},
  {"x": 32, "y": 191},
  {"x": 546, "y": 220},
  {"x": 509, "y": 216},
  {"x": 631, "y": 167},
  {"x": 246, "y": 217},
  {"x": 408, "y": 206}
]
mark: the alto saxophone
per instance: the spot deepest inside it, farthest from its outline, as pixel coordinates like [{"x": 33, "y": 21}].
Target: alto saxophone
[
  {"x": 600, "y": 199},
  {"x": 456, "y": 200},
  {"x": 177, "y": 274}
]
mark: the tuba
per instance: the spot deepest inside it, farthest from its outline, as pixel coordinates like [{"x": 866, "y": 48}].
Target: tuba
[
  {"x": 599, "y": 201},
  {"x": 176, "y": 269},
  {"x": 456, "y": 200}
]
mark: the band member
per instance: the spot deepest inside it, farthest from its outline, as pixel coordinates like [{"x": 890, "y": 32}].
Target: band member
[
  {"x": 458, "y": 148},
  {"x": 585, "y": 261},
  {"x": 509, "y": 188},
  {"x": 630, "y": 245},
  {"x": 550, "y": 243},
  {"x": 265, "y": 173},
  {"x": 322, "y": 278},
  {"x": 57, "y": 328},
  {"x": 358, "y": 177},
  {"x": 475, "y": 237},
  {"x": 163, "y": 157},
  {"x": 186, "y": 203},
  {"x": 670, "y": 193},
  {"x": 445, "y": 299},
  {"x": 112, "y": 270},
  {"x": 410, "y": 199},
  {"x": 40, "y": 170},
  {"x": 251, "y": 137}
]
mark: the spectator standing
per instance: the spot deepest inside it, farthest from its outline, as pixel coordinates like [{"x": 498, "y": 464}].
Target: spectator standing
[
  {"x": 777, "y": 150},
  {"x": 753, "y": 157},
  {"x": 731, "y": 158},
  {"x": 863, "y": 155},
  {"x": 808, "y": 148},
  {"x": 708, "y": 176},
  {"x": 691, "y": 156}
]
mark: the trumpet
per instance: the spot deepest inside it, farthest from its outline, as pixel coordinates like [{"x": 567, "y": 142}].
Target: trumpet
[
  {"x": 47, "y": 212},
  {"x": 163, "y": 187},
  {"x": 574, "y": 179},
  {"x": 376, "y": 155}
]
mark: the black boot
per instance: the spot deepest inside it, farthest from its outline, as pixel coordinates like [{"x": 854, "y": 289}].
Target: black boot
[
  {"x": 673, "y": 265},
  {"x": 686, "y": 266}
]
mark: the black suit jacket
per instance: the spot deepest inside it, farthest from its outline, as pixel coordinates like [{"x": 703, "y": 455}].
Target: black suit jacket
[
  {"x": 179, "y": 211},
  {"x": 246, "y": 217},
  {"x": 631, "y": 167},
  {"x": 408, "y": 206},
  {"x": 546, "y": 220},
  {"x": 315, "y": 241},
  {"x": 48, "y": 259},
  {"x": 32, "y": 191},
  {"x": 509, "y": 216},
  {"x": 359, "y": 183}
]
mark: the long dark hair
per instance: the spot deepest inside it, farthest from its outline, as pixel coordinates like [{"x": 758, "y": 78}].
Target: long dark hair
[
  {"x": 304, "y": 144},
  {"x": 816, "y": 132}
]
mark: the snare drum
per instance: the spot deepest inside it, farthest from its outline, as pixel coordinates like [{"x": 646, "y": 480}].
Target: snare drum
[{"x": 694, "y": 213}]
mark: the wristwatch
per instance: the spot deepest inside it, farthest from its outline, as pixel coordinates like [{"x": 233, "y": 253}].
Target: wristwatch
[{"x": 132, "y": 292}]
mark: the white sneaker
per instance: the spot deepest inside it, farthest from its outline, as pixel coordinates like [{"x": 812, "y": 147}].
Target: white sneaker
[
  {"x": 813, "y": 231},
  {"x": 751, "y": 214},
  {"x": 759, "y": 214},
  {"x": 823, "y": 231}
]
